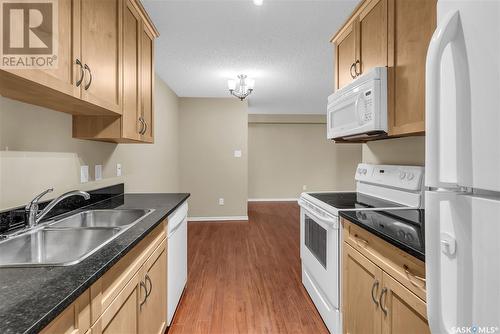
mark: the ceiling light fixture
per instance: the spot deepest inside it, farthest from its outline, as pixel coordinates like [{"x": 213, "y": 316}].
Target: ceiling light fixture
[
  {"x": 242, "y": 88},
  {"x": 258, "y": 2}
]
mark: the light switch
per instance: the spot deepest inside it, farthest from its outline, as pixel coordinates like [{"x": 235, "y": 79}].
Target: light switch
[
  {"x": 98, "y": 172},
  {"x": 237, "y": 153},
  {"x": 118, "y": 169},
  {"x": 221, "y": 201},
  {"x": 84, "y": 174}
]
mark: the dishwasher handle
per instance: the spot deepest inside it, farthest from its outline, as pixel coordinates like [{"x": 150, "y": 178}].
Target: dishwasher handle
[{"x": 184, "y": 221}]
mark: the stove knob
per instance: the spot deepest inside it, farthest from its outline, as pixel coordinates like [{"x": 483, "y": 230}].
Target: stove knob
[
  {"x": 364, "y": 171},
  {"x": 401, "y": 234},
  {"x": 360, "y": 170},
  {"x": 402, "y": 175},
  {"x": 410, "y": 176}
]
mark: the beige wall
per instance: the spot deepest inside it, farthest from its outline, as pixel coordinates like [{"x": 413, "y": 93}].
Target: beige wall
[
  {"x": 38, "y": 152},
  {"x": 285, "y": 157},
  {"x": 211, "y": 129},
  {"x": 398, "y": 151}
]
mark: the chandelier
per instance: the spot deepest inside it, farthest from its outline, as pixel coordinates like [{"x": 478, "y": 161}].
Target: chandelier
[{"x": 241, "y": 88}]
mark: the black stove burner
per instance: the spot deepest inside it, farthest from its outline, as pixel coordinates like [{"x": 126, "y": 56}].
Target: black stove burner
[
  {"x": 403, "y": 228},
  {"x": 353, "y": 200}
]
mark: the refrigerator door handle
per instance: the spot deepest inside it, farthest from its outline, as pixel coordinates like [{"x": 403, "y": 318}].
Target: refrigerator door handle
[{"x": 448, "y": 32}]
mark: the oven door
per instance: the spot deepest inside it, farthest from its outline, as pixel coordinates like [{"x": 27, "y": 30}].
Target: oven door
[{"x": 320, "y": 255}]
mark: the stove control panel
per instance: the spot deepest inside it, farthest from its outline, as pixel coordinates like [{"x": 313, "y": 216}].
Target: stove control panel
[{"x": 403, "y": 177}]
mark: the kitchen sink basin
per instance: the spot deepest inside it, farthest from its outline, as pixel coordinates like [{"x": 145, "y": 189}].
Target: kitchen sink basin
[
  {"x": 102, "y": 218},
  {"x": 67, "y": 241}
]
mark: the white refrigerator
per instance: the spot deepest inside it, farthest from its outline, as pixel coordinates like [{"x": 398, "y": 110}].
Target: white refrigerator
[{"x": 463, "y": 168}]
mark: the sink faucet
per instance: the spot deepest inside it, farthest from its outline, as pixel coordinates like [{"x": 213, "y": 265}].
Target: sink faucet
[{"x": 31, "y": 210}]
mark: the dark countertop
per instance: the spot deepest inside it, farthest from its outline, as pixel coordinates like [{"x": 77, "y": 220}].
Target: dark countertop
[
  {"x": 32, "y": 297},
  {"x": 404, "y": 229}
]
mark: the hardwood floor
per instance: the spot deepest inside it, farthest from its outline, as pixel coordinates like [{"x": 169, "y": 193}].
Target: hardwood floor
[{"x": 245, "y": 277}]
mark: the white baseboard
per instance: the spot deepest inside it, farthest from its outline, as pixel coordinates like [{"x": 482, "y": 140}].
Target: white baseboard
[
  {"x": 272, "y": 199},
  {"x": 216, "y": 219}
]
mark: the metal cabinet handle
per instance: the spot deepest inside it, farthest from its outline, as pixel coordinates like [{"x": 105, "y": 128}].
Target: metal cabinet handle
[
  {"x": 142, "y": 125},
  {"x": 143, "y": 285},
  {"x": 145, "y": 126},
  {"x": 82, "y": 72},
  {"x": 358, "y": 239},
  {"x": 412, "y": 277},
  {"x": 90, "y": 80},
  {"x": 356, "y": 68},
  {"x": 353, "y": 66},
  {"x": 375, "y": 284},
  {"x": 148, "y": 279},
  {"x": 382, "y": 296}
]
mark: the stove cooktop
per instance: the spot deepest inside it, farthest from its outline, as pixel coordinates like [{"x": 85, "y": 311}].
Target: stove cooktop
[
  {"x": 353, "y": 200},
  {"x": 403, "y": 228}
]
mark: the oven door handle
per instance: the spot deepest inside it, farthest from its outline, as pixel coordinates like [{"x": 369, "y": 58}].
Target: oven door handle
[{"x": 333, "y": 222}]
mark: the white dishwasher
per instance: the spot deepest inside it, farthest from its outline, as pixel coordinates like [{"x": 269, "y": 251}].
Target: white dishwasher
[{"x": 176, "y": 258}]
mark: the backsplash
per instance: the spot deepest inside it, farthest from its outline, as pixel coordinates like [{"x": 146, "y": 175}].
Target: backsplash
[
  {"x": 15, "y": 218},
  {"x": 397, "y": 151}
]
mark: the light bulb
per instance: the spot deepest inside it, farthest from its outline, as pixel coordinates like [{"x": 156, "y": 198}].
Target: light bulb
[
  {"x": 231, "y": 84},
  {"x": 258, "y": 2}
]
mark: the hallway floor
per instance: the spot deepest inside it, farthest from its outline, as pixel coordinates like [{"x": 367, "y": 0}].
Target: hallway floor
[{"x": 245, "y": 277}]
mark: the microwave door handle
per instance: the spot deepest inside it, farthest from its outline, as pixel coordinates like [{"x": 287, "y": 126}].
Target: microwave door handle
[{"x": 356, "y": 108}]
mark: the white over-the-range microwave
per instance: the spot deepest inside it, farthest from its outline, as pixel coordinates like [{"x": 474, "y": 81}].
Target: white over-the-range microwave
[{"x": 358, "y": 110}]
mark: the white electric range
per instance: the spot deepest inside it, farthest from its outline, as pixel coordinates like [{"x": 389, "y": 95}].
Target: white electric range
[{"x": 378, "y": 188}]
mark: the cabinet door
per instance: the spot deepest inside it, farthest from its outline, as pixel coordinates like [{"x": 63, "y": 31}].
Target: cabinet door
[
  {"x": 147, "y": 83},
  {"x": 101, "y": 32},
  {"x": 372, "y": 31},
  {"x": 64, "y": 77},
  {"x": 153, "y": 315},
  {"x": 132, "y": 34},
  {"x": 362, "y": 281},
  {"x": 75, "y": 319},
  {"x": 345, "y": 51},
  {"x": 411, "y": 25},
  {"x": 406, "y": 313},
  {"x": 122, "y": 315}
]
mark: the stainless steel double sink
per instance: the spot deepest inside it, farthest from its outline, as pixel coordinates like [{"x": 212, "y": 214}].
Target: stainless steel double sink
[{"x": 69, "y": 240}]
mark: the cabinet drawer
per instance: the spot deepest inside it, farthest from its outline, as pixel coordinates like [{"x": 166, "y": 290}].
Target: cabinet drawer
[
  {"x": 75, "y": 319},
  {"x": 405, "y": 268},
  {"x": 107, "y": 288}
]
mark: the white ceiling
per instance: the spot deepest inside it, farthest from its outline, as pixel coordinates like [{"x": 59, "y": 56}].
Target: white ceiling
[{"x": 284, "y": 45}]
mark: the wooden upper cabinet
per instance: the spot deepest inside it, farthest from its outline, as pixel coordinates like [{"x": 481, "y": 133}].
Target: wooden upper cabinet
[
  {"x": 101, "y": 35},
  {"x": 63, "y": 78},
  {"x": 362, "y": 282},
  {"x": 372, "y": 34},
  {"x": 345, "y": 56},
  {"x": 406, "y": 313},
  {"x": 396, "y": 34},
  {"x": 132, "y": 33},
  {"x": 135, "y": 82},
  {"x": 411, "y": 25},
  {"x": 147, "y": 84}
]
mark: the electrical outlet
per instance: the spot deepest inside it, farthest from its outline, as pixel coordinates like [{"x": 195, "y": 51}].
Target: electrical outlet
[
  {"x": 84, "y": 174},
  {"x": 118, "y": 169},
  {"x": 237, "y": 153},
  {"x": 221, "y": 201},
  {"x": 304, "y": 187},
  {"x": 98, "y": 172}
]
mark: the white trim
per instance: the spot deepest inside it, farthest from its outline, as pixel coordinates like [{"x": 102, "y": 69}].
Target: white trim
[
  {"x": 273, "y": 199},
  {"x": 215, "y": 219}
]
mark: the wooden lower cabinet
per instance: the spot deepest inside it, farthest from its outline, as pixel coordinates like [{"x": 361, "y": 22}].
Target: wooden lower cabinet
[
  {"x": 375, "y": 302},
  {"x": 130, "y": 298},
  {"x": 406, "y": 313},
  {"x": 75, "y": 319},
  {"x": 153, "y": 312},
  {"x": 122, "y": 315},
  {"x": 362, "y": 280}
]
